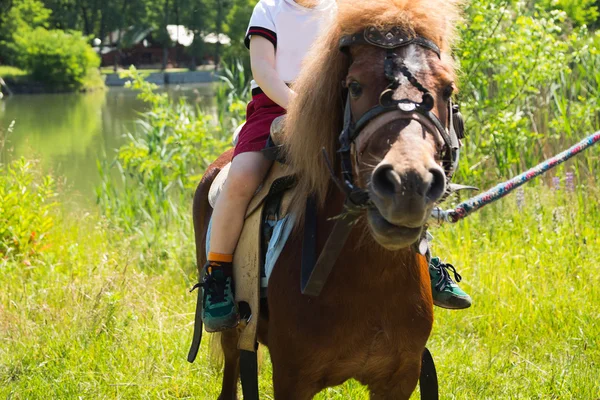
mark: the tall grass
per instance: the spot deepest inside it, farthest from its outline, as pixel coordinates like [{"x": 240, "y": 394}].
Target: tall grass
[
  {"x": 232, "y": 95},
  {"x": 87, "y": 319},
  {"x": 159, "y": 169},
  {"x": 529, "y": 89}
]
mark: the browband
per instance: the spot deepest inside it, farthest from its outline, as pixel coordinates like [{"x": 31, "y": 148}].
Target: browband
[{"x": 387, "y": 39}]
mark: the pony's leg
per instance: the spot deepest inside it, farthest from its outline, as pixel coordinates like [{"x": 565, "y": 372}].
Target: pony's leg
[
  {"x": 400, "y": 386},
  {"x": 288, "y": 385},
  {"x": 231, "y": 373}
]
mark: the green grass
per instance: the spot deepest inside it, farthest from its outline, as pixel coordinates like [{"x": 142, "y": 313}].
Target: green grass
[{"x": 95, "y": 317}]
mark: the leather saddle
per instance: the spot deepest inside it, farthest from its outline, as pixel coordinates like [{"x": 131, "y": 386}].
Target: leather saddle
[{"x": 270, "y": 203}]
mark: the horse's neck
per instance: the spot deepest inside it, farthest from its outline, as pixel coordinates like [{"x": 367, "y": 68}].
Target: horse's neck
[
  {"x": 400, "y": 264},
  {"x": 363, "y": 256}
]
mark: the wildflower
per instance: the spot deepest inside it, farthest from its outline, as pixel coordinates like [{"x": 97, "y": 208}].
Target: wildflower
[
  {"x": 520, "y": 198},
  {"x": 570, "y": 182},
  {"x": 556, "y": 183}
]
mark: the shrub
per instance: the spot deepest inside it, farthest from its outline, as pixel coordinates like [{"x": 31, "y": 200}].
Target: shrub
[
  {"x": 159, "y": 166},
  {"x": 55, "y": 57},
  {"x": 528, "y": 88},
  {"x": 21, "y": 18},
  {"x": 232, "y": 95},
  {"x": 579, "y": 11},
  {"x": 26, "y": 203}
]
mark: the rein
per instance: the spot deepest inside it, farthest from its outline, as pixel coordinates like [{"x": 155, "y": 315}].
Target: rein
[{"x": 464, "y": 209}]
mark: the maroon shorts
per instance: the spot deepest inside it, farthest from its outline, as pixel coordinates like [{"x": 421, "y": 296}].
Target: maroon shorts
[{"x": 260, "y": 114}]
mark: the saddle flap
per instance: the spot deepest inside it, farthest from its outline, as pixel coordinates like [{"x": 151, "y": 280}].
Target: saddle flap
[
  {"x": 246, "y": 273},
  {"x": 277, "y": 171},
  {"x": 247, "y": 257}
]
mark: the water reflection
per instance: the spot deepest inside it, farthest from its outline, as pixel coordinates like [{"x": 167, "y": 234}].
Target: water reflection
[{"x": 69, "y": 132}]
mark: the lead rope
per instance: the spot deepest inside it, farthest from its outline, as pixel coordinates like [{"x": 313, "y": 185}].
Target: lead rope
[{"x": 497, "y": 192}]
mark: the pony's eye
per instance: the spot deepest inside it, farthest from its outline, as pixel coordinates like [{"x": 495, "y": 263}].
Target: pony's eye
[
  {"x": 448, "y": 90},
  {"x": 355, "y": 89}
]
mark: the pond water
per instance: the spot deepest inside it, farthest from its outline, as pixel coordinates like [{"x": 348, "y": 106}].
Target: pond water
[{"x": 69, "y": 132}]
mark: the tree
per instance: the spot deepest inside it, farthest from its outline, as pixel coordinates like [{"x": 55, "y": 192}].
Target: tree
[
  {"x": 199, "y": 17},
  {"x": 24, "y": 16},
  {"x": 236, "y": 26}
]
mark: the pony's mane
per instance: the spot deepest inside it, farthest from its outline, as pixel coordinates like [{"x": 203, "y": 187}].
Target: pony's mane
[{"x": 314, "y": 118}]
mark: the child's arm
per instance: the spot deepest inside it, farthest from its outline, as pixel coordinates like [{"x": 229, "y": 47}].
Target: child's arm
[{"x": 262, "y": 59}]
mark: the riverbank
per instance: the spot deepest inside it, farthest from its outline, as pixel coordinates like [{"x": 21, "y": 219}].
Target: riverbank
[
  {"x": 17, "y": 81},
  {"x": 68, "y": 132},
  {"x": 14, "y": 81},
  {"x": 167, "y": 78}
]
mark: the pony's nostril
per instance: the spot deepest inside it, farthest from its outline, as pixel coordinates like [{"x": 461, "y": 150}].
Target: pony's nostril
[
  {"x": 438, "y": 184},
  {"x": 385, "y": 181}
]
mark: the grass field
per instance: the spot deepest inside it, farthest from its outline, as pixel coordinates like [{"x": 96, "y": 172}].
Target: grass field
[{"x": 92, "y": 319}]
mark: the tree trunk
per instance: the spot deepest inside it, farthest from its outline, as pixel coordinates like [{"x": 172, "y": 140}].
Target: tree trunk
[
  {"x": 218, "y": 26},
  {"x": 86, "y": 19},
  {"x": 167, "y": 39}
]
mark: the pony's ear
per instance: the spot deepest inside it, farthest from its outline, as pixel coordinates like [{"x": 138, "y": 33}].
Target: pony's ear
[{"x": 314, "y": 119}]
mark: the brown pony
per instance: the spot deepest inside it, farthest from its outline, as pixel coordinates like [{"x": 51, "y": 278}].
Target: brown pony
[{"x": 375, "y": 313}]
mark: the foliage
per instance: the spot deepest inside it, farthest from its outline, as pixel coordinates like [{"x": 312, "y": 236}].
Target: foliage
[
  {"x": 581, "y": 12},
  {"x": 56, "y": 57},
  {"x": 11, "y": 72},
  {"x": 160, "y": 166},
  {"x": 21, "y": 18},
  {"x": 237, "y": 23},
  {"x": 527, "y": 84},
  {"x": 26, "y": 204},
  {"x": 232, "y": 95}
]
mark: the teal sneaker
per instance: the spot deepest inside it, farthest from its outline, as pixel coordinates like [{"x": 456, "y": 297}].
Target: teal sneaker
[
  {"x": 219, "y": 309},
  {"x": 446, "y": 293}
]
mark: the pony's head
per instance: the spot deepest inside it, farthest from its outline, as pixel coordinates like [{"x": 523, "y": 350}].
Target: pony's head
[{"x": 396, "y": 156}]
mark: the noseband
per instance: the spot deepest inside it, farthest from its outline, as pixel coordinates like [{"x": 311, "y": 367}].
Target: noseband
[{"x": 390, "y": 40}]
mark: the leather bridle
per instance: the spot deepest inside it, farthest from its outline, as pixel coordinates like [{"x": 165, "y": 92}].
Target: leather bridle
[
  {"x": 354, "y": 137},
  {"x": 389, "y": 110}
]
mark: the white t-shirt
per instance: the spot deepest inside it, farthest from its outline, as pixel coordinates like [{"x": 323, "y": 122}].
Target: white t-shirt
[{"x": 291, "y": 28}]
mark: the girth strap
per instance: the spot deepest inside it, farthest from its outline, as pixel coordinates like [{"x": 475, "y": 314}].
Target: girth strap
[
  {"x": 249, "y": 374},
  {"x": 309, "y": 244},
  {"x": 197, "y": 337},
  {"x": 428, "y": 382}
]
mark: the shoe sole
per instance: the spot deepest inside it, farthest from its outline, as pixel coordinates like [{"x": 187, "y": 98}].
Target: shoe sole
[
  {"x": 461, "y": 304},
  {"x": 223, "y": 325}
]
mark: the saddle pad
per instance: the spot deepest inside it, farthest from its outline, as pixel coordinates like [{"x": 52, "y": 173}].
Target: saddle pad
[
  {"x": 282, "y": 229},
  {"x": 277, "y": 171},
  {"x": 217, "y": 185},
  {"x": 248, "y": 275}
]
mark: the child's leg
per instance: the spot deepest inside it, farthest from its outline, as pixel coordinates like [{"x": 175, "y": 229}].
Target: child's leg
[{"x": 245, "y": 176}]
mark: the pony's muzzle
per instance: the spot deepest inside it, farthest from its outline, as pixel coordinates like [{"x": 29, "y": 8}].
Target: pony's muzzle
[{"x": 403, "y": 197}]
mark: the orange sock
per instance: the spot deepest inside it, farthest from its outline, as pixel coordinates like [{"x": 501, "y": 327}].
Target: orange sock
[{"x": 220, "y": 258}]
